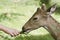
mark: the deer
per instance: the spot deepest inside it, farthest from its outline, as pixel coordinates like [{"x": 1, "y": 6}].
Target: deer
[{"x": 42, "y": 18}]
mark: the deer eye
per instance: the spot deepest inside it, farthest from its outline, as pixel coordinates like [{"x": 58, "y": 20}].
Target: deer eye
[{"x": 35, "y": 19}]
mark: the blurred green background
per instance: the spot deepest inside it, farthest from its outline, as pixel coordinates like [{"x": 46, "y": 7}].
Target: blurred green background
[{"x": 15, "y": 13}]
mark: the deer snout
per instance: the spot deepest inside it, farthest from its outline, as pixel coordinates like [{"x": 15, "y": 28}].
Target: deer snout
[{"x": 24, "y": 30}]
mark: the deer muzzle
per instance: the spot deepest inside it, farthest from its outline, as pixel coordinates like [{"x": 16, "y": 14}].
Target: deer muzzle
[{"x": 25, "y": 31}]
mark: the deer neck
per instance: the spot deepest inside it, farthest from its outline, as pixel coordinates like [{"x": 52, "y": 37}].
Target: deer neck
[{"x": 53, "y": 27}]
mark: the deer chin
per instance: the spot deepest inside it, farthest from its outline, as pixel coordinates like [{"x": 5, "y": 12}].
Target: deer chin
[{"x": 25, "y": 32}]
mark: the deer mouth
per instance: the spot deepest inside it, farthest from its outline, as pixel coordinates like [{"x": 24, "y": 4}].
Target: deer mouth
[{"x": 25, "y": 31}]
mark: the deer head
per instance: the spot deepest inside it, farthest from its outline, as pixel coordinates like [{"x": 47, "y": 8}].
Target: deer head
[{"x": 39, "y": 19}]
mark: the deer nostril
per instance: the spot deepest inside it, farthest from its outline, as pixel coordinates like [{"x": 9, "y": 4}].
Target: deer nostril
[
  {"x": 23, "y": 29},
  {"x": 22, "y": 32}
]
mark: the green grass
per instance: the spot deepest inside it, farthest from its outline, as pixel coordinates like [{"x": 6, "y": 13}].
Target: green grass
[{"x": 21, "y": 12}]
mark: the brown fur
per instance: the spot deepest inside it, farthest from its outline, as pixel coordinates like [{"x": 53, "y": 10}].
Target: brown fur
[{"x": 43, "y": 18}]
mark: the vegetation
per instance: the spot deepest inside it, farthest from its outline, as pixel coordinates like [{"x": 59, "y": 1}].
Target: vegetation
[{"x": 15, "y": 13}]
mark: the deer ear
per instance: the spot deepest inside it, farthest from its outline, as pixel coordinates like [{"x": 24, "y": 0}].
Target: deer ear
[
  {"x": 52, "y": 8},
  {"x": 43, "y": 7}
]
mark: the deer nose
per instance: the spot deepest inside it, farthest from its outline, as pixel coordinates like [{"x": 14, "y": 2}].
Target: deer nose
[{"x": 23, "y": 30}]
